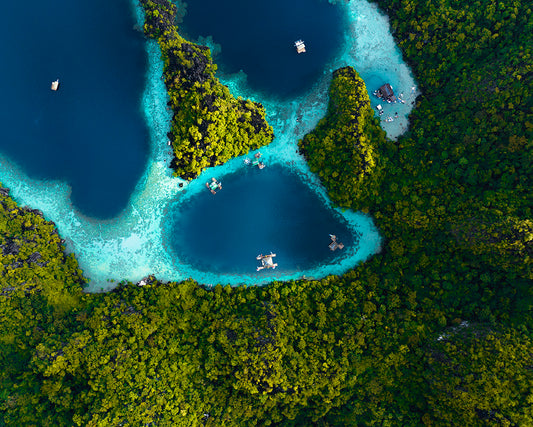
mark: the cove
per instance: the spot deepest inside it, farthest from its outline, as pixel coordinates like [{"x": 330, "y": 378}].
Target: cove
[
  {"x": 136, "y": 243},
  {"x": 258, "y": 38},
  {"x": 91, "y": 133},
  {"x": 256, "y": 212}
]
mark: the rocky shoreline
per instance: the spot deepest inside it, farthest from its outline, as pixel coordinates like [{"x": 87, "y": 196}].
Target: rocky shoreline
[{"x": 30, "y": 249}]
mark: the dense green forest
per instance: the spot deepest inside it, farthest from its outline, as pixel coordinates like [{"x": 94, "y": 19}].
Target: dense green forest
[
  {"x": 435, "y": 330},
  {"x": 343, "y": 149},
  {"x": 209, "y": 126}
]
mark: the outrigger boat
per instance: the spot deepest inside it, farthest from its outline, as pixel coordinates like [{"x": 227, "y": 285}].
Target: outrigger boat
[
  {"x": 213, "y": 186},
  {"x": 266, "y": 261},
  {"x": 256, "y": 161},
  {"x": 334, "y": 244}
]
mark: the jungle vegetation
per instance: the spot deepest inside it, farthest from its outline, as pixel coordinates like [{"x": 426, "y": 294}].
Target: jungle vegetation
[
  {"x": 343, "y": 148},
  {"x": 209, "y": 126},
  {"x": 435, "y": 330}
]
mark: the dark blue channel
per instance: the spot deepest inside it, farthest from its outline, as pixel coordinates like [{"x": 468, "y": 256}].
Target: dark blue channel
[
  {"x": 91, "y": 132},
  {"x": 258, "y": 37},
  {"x": 255, "y": 212}
]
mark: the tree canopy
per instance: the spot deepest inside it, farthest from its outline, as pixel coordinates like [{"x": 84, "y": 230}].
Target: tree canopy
[
  {"x": 209, "y": 126},
  {"x": 435, "y": 330},
  {"x": 343, "y": 148}
]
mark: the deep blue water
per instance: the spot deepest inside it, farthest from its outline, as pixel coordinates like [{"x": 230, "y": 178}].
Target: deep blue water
[
  {"x": 91, "y": 133},
  {"x": 258, "y": 37},
  {"x": 256, "y": 212}
]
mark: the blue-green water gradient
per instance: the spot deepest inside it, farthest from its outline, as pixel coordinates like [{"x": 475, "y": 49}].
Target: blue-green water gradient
[
  {"x": 258, "y": 38},
  {"x": 91, "y": 133},
  {"x": 256, "y": 212},
  {"x": 135, "y": 242}
]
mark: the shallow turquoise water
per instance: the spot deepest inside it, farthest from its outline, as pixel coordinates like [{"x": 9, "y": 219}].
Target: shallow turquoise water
[{"x": 133, "y": 244}]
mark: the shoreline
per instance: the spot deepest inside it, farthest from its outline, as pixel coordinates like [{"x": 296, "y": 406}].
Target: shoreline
[{"x": 130, "y": 246}]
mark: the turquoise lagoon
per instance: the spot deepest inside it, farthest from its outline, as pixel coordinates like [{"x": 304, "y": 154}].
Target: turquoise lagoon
[
  {"x": 273, "y": 210},
  {"x": 138, "y": 241}
]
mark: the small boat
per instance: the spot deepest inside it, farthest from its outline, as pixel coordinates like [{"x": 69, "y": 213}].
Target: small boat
[
  {"x": 380, "y": 109},
  {"x": 213, "y": 186},
  {"x": 300, "y": 46},
  {"x": 256, "y": 161},
  {"x": 55, "y": 85},
  {"x": 266, "y": 261},
  {"x": 334, "y": 244}
]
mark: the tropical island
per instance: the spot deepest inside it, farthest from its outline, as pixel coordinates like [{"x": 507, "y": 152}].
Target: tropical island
[
  {"x": 209, "y": 126},
  {"x": 434, "y": 330}
]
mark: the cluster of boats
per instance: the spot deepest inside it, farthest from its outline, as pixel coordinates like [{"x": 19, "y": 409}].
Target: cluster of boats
[
  {"x": 255, "y": 161},
  {"x": 267, "y": 261},
  {"x": 386, "y": 93}
]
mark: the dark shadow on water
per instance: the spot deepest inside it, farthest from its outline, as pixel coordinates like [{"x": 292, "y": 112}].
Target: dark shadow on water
[
  {"x": 258, "y": 37},
  {"x": 256, "y": 212},
  {"x": 91, "y": 132}
]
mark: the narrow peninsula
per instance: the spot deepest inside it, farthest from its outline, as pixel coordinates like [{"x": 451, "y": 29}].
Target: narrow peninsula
[
  {"x": 209, "y": 125},
  {"x": 344, "y": 147}
]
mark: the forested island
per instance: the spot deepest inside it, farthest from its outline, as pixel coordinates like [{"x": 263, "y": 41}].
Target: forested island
[
  {"x": 435, "y": 330},
  {"x": 209, "y": 126},
  {"x": 343, "y": 149}
]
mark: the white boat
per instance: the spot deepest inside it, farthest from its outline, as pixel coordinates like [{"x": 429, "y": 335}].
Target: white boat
[
  {"x": 300, "y": 46},
  {"x": 266, "y": 261}
]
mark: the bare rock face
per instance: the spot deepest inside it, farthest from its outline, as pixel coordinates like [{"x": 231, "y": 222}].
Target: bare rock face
[{"x": 10, "y": 248}]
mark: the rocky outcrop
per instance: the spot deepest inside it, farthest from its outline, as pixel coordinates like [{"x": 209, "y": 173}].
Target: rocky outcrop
[{"x": 31, "y": 252}]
